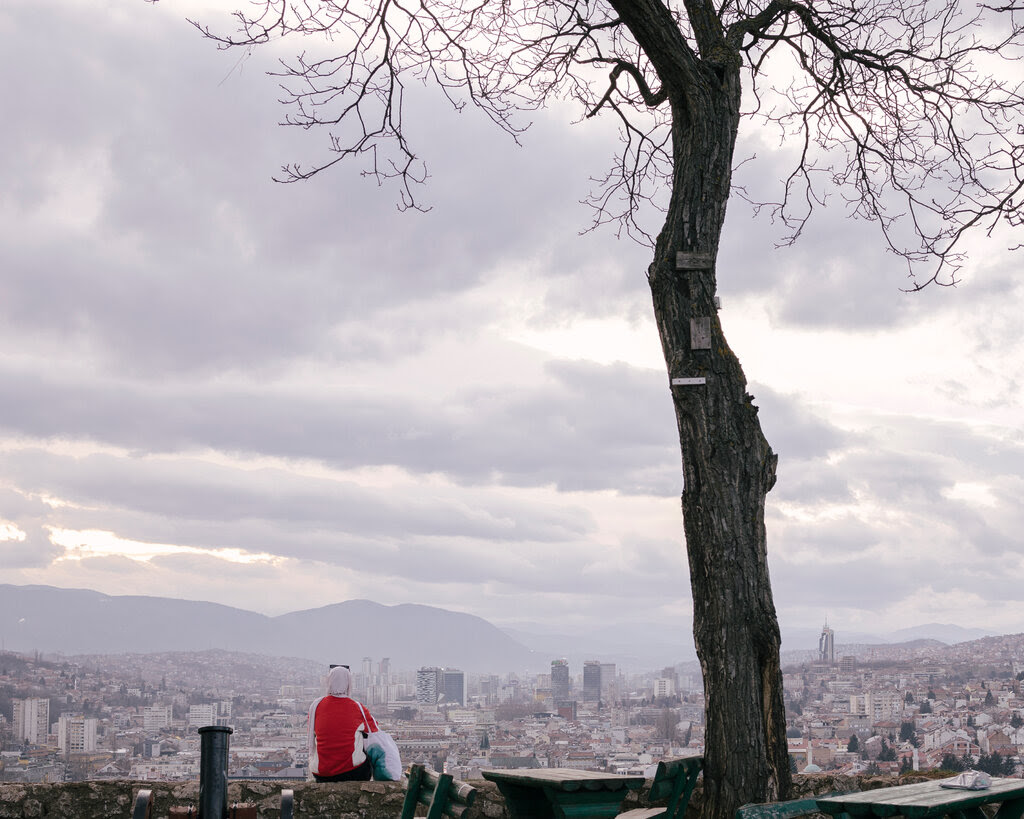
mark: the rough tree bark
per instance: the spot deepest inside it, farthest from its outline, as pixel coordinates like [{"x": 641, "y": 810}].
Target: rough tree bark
[{"x": 728, "y": 466}]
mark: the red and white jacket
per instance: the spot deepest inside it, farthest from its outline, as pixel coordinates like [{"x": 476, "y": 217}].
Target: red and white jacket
[{"x": 336, "y": 727}]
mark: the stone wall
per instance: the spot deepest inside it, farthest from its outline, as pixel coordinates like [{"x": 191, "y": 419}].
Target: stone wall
[
  {"x": 109, "y": 800},
  {"x": 341, "y": 800}
]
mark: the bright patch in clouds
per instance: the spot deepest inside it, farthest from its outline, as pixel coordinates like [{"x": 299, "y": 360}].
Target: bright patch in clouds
[
  {"x": 82, "y": 544},
  {"x": 8, "y": 531},
  {"x": 976, "y": 494}
]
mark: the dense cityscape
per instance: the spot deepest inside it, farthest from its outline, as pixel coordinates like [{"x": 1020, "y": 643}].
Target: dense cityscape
[{"x": 850, "y": 709}]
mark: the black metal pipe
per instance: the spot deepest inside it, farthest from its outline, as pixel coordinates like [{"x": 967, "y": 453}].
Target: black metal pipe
[{"x": 213, "y": 771}]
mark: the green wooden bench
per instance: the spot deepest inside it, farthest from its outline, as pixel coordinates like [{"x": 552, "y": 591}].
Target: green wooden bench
[
  {"x": 443, "y": 795},
  {"x": 674, "y": 780},
  {"x": 785, "y": 810}
]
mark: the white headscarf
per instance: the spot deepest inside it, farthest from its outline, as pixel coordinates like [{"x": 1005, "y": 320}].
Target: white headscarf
[{"x": 339, "y": 682}]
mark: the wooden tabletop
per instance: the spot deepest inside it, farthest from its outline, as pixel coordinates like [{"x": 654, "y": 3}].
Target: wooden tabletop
[
  {"x": 566, "y": 779},
  {"x": 922, "y": 799}
]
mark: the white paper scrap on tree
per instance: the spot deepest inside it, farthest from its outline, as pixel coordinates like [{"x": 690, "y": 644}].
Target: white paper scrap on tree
[{"x": 688, "y": 382}]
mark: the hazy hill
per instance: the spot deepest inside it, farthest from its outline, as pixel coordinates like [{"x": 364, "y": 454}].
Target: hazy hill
[
  {"x": 411, "y": 635},
  {"x": 805, "y": 639},
  {"x": 76, "y": 621}
]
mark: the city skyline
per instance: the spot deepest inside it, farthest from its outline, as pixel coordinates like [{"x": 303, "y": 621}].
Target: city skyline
[
  {"x": 102, "y": 717},
  {"x": 209, "y": 377}
]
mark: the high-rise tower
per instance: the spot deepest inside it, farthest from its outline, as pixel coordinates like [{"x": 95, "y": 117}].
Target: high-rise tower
[
  {"x": 31, "y": 720},
  {"x": 591, "y": 681},
  {"x": 453, "y": 686},
  {"x": 827, "y": 645},
  {"x": 560, "y": 681},
  {"x": 429, "y": 684}
]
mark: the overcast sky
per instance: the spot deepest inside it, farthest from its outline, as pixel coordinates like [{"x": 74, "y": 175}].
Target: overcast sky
[{"x": 217, "y": 387}]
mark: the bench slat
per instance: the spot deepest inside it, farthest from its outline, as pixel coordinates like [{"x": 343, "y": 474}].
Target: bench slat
[
  {"x": 441, "y": 793},
  {"x": 674, "y": 780}
]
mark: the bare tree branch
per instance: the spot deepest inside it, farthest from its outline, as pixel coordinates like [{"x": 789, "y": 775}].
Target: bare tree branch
[{"x": 895, "y": 104}]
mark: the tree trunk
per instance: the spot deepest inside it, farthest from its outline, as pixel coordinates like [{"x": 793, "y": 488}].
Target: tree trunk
[
  {"x": 728, "y": 469},
  {"x": 728, "y": 466}
]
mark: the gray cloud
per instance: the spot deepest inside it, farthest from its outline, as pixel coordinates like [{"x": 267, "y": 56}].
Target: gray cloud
[
  {"x": 193, "y": 494},
  {"x": 857, "y": 585},
  {"x": 196, "y": 355},
  {"x": 34, "y": 552},
  {"x": 903, "y": 529},
  {"x": 195, "y": 260},
  {"x": 590, "y": 427},
  {"x": 810, "y": 482},
  {"x": 793, "y": 429}
]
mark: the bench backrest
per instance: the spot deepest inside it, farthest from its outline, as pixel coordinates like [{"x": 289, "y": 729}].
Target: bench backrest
[
  {"x": 674, "y": 780},
  {"x": 443, "y": 795}
]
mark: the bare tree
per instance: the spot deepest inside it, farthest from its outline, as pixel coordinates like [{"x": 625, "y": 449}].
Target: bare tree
[
  {"x": 906, "y": 107},
  {"x": 667, "y": 723}
]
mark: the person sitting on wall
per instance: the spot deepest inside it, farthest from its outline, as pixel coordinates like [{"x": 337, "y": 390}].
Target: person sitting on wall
[{"x": 337, "y": 726}]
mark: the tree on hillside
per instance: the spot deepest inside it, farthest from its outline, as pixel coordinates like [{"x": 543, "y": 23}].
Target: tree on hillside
[
  {"x": 995, "y": 764},
  {"x": 665, "y": 727},
  {"x": 887, "y": 101},
  {"x": 887, "y": 754}
]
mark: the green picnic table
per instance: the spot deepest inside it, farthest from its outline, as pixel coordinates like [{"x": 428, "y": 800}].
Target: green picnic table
[
  {"x": 562, "y": 793},
  {"x": 927, "y": 799}
]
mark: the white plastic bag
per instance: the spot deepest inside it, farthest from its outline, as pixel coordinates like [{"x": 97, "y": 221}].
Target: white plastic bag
[
  {"x": 968, "y": 781},
  {"x": 382, "y": 750}
]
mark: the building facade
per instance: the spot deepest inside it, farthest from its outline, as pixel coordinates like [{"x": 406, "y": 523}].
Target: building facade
[
  {"x": 591, "y": 681},
  {"x": 560, "y": 685},
  {"x": 200, "y": 715},
  {"x": 76, "y": 734},
  {"x": 453, "y": 687},
  {"x": 155, "y": 717},
  {"x": 429, "y": 684},
  {"x": 609, "y": 685},
  {"x": 32, "y": 720}
]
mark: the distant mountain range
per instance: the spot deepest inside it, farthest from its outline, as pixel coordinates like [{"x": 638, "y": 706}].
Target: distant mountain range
[{"x": 77, "y": 621}]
